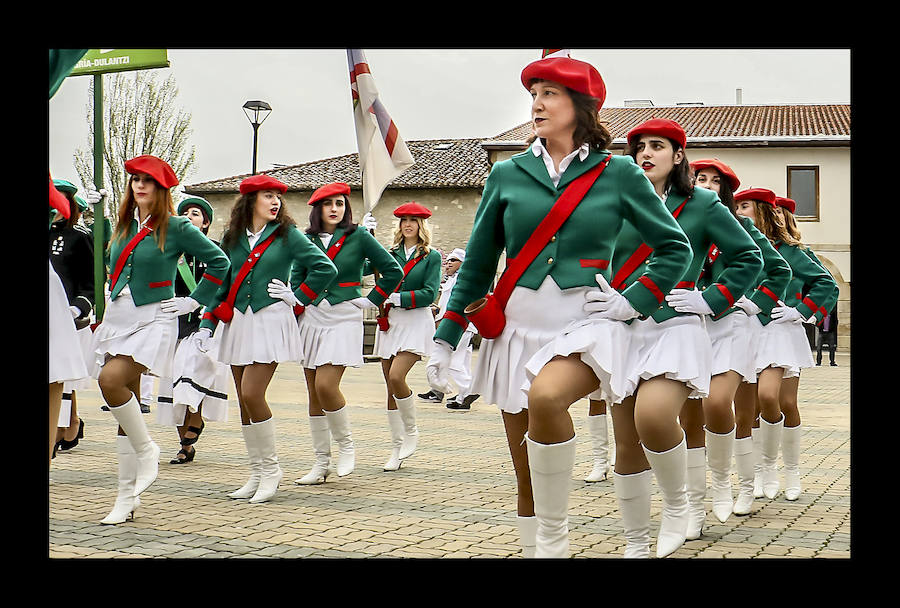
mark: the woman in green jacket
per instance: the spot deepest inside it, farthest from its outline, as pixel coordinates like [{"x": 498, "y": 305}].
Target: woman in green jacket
[
  {"x": 410, "y": 324},
  {"x": 140, "y": 328},
  {"x": 257, "y": 307},
  {"x": 790, "y": 385},
  {"x": 331, "y": 327},
  {"x": 550, "y": 296}
]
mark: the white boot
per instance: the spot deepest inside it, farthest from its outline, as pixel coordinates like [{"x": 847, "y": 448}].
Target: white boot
[
  {"x": 633, "y": 496},
  {"x": 719, "y": 448},
  {"x": 321, "y": 441},
  {"x": 670, "y": 470},
  {"x": 770, "y": 441},
  {"x": 396, "y": 425},
  {"x": 270, "y": 472},
  {"x": 696, "y": 492},
  {"x": 597, "y": 425},
  {"x": 757, "y": 463},
  {"x": 407, "y": 408},
  {"x": 527, "y": 534},
  {"x": 339, "y": 423},
  {"x": 551, "y": 474},
  {"x": 249, "y": 488},
  {"x": 129, "y": 417},
  {"x": 790, "y": 455},
  {"x": 744, "y": 460},
  {"x": 126, "y": 501}
]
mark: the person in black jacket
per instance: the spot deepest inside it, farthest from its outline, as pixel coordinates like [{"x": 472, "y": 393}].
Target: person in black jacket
[
  {"x": 72, "y": 257},
  {"x": 827, "y": 332}
]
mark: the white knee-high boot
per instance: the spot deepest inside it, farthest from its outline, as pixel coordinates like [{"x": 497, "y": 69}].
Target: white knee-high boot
[
  {"x": 527, "y": 534},
  {"x": 249, "y": 489},
  {"x": 719, "y": 448},
  {"x": 670, "y": 470},
  {"x": 597, "y": 425},
  {"x": 339, "y": 423},
  {"x": 633, "y": 496},
  {"x": 757, "y": 463},
  {"x": 790, "y": 455},
  {"x": 126, "y": 501},
  {"x": 270, "y": 472},
  {"x": 696, "y": 491},
  {"x": 321, "y": 441},
  {"x": 129, "y": 417},
  {"x": 744, "y": 461},
  {"x": 770, "y": 441},
  {"x": 407, "y": 408},
  {"x": 551, "y": 473},
  {"x": 396, "y": 426}
]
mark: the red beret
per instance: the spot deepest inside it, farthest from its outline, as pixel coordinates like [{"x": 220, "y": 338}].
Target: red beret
[
  {"x": 262, "y": 182},
  {"x": 156, "y": 168},
  {"x": 577, "y": 75},
  {"x": 787, "y": 203},
  {"x": 660, "y": 126},
  {"x": 756, "y": 194},
  {"x": 723, "y": 169},
  {"x": 412, "y": 209},
  {"x": 328, "y": 190}
]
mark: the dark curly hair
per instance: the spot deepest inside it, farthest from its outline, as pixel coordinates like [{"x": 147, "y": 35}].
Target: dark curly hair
[
  {"x": 680, "y": 178},
  {"x": 588, "y": 128},
  {"x": 242, "y": 217}
]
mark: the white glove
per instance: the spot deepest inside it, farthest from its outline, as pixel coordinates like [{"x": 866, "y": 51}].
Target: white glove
[
  {"x": 363, "y": 303},
  {"x": 280, "y": 291},
  {"x": 177, "y": 306},
  {"x": 93, "y": 196},
  {"x": 786, "y": 314},
  {"x": 394, "y": 299},
  {"x": 440, "y": 363},
  {"x": 748, "y": 306},
  {"x": 812, "y": 320},
  {"x": 202, "y": 339},
  {"x": 688, "y": 300},
  {"x": 368, "y": 222},
  {"x": 76, "y": 312},
  {"x": 607, "y": 303}
]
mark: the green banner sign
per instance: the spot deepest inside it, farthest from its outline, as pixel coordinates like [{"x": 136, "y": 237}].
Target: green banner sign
[{"x": 102, "y": 61}]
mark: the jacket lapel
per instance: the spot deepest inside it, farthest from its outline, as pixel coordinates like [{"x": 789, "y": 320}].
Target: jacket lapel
[
  {"x": 534, "y": 166},
  {"x": 578, "y": 167}
]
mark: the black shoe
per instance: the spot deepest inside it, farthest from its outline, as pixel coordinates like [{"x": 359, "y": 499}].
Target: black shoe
[
  {"x": 145, "y": 409},
  {"x": 432, "y": 396},
  {"x": 104, "y": 408},
  {"x": 188, "y": 456},
  {"x": 64, "y": 445},
  {"x": 834, "y": 365},
  {"x": 194, "y": 429},
  {"x": 468, "y": 401}
]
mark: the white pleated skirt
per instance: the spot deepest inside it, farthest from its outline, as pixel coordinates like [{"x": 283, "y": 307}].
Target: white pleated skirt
[
  {"x": 533, "y": 320},
  {"x": 783, "y": 345},
  {"x": 678, "y": 348},
  {"x": 199, "y": 380},
  {"x": 66, "y": 359},
  {"x": 144, "y": 333},
  {"x": 733, "y": 345},
  {"x": 85, "y": 341},
  {"x": 331, "y": 335},
  {"x": 269, "y": 335},
  {"x": 410, "y": 330}
]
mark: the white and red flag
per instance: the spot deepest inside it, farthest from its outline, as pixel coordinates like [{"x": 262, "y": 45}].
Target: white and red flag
[
  {"x": 383, "y": 155},
  {"x": 555, "y": 53}
]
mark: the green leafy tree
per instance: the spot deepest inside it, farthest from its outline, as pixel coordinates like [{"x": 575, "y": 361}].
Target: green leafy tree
[{"x": 140, "y": 116}]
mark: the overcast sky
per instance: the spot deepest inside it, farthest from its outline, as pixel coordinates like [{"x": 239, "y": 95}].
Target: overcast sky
[{"x": 430, "y": 94}]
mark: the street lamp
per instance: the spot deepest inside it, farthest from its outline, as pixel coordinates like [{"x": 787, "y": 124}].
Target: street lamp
[{"x": 253, "y": 110}]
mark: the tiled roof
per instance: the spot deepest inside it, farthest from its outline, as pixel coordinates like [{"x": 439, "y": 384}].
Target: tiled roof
[
  {"x": 440, "y": 163},
  {"x": 744, "y": 121}
]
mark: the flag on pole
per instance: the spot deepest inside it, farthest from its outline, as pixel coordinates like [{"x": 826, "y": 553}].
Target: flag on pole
[
  {"x": 383, "y": 155},
  {"x": 555, "y": 53}
]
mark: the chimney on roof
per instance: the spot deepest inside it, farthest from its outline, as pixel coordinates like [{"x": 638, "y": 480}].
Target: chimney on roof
[
  {"x": 689, "y": 103},
  {"x": 638, "y": 103},
  {"x": 738, "y": 96}
]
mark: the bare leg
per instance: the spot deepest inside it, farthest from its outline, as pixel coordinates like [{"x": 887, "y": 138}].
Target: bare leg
[
  {"x": 119, "y": 379},
  {"x": 56, "y": 389},
  {"x": 630, "y": 458},
  {"x": 656, "y": 408},
  {"x": 596, "y": 407},
  {"x": 255, "y": 380},
  {"x": 399, "y": 368},
  {"x": 691, "y": 420},
  {"x": 787, "y": 400},
  {"x": 328, "y": 387},
  {"x": 717, "y": 407},
  {"x": 768, "y": 387},
  {"x": 386, "y": 372},
  {"x": 516, "y": 425},
  {"x": 559, "y": 384}
]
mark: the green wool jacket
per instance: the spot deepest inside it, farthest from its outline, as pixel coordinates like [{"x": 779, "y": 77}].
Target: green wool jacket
[
  {"x": 771, "y": 281},
  {"x": 290, "y": 248},
  {"x": 705, "y": 220},
  {"x": 812, "y": 289},
  {"x": 421, "y": 286},
  {"x": 150, "y": 273},
  {"x": 519, "y": 193},
  {"x": 350, "y": 260}
]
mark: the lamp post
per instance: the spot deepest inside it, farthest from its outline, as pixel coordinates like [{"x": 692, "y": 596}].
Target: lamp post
[{"x": 253, "y": 110}]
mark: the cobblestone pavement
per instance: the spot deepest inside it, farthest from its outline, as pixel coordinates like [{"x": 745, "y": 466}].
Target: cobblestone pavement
[{"x": 455, "y": 497}]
